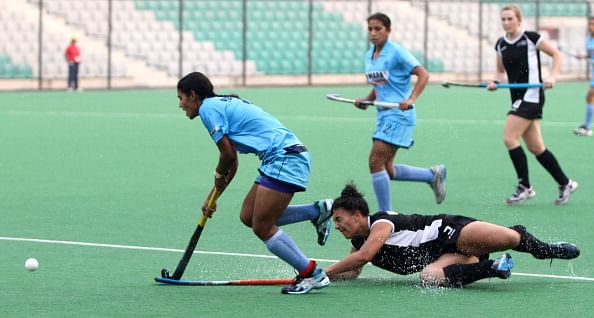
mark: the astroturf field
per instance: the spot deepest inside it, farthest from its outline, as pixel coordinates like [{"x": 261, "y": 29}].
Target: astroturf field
[{"x": 104, "y": 188}]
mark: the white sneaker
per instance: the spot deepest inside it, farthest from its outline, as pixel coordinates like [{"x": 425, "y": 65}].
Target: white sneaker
[
  {"x": 565, "y": 192},
  {"x": 522, "y": 194},
  {"x": 583, "y": 131},
  {"x": 438, "y": 182},
  {"x": 304, "y": 285},
  {"x": 323, "y": 223}
]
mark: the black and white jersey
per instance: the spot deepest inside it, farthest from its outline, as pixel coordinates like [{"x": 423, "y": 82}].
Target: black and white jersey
[
  {"x": 416, "y": 240},
  {"x": 521, "y": 60}
]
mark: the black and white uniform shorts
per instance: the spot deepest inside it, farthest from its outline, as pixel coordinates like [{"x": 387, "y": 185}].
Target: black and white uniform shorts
[{"x": 526, "y": 109}]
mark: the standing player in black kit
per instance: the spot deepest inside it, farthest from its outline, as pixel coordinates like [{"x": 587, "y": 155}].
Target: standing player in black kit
[{"x": 518, "y": 57}]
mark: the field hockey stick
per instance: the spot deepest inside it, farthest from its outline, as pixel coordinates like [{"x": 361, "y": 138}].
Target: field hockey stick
[
  {"x": 181, "y": 267},
  {"x": 239, "y": 282},
  {"x": 337, "y": 98},
  {"x": 575, "y": 56},
  {"x": 484, "y": 84}
]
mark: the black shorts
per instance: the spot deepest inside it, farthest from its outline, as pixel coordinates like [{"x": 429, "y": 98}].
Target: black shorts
[
  {"x": 450, "y": 231},
  {"x": 412, "y": 259},
  {"x": 526, "y": 109}
]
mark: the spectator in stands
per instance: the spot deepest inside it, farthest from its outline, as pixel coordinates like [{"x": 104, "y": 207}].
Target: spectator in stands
[
  {"x": 72, "y": 55},
  {"x": 389, "y": 68}
]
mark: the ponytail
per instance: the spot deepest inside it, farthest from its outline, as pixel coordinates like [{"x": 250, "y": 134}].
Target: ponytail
[{"x": 351, "y": 200}]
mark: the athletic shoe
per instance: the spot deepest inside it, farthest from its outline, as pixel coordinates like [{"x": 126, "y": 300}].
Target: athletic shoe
[
  {"x": 564, "y": 250},
  {"x": 503, "y": 266},
  {"x": 522, "y": 194},
  {"x": 304, "y": 285},
  {"x": 323, "y": 222},
  {"x": 583, "y": 131},
  {"x": 565, "y": 192},
  {"x": 438, "y": 182}
]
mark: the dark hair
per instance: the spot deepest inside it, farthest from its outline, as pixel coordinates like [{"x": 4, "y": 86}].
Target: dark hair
[
  {"x": 352, "y": 200},
  {"x": 198, "y": 83},
  {"x": 384, "y": 19}
]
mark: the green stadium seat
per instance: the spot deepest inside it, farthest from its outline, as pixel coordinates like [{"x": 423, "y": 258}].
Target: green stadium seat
[
  {"x": 346, "y": 40},
  {"x": 4, "y": 59},
  {"x": 141, "y": 5},
  {"x": 435, "y": 66},
  {"x": 23, "y": 71}
]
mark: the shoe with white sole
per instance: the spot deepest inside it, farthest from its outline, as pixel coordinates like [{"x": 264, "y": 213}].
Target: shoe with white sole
[
  {"x": 565, "y": 192},
  {"x": 438, "y": 182},
  {"x": 522, "y": 194},
  {"x": 304, "y": 285}
]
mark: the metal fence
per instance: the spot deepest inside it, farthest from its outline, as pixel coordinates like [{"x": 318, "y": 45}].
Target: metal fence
[{"x": 135, "y": 43}]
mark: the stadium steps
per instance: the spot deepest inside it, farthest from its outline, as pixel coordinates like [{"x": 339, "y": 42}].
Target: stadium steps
[
  {"x": 451, "y": 48},
  {"x": 22, "y": 17},
  {"x": 567, "y": 19},
  {"x": 11, "y": 70},
  {"x": 555, "y": 9},
  {"x": 156, "y": 45},
  {"x": 274, "y": 52}
]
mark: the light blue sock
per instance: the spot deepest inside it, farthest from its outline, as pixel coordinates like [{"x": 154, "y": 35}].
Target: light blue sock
[
  {"x": 410, "y": 173},
  {"x": 298, "y": 213},
  {"x": 383, "y": 191},
  {"x": 281, "y": 245},
  {"x": 589, "y": 113}
]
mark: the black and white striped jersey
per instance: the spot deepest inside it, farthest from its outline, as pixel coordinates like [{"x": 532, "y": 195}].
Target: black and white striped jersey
[
  {"x": 416, "y": 240},
  {"x": 521, "y": 60}
]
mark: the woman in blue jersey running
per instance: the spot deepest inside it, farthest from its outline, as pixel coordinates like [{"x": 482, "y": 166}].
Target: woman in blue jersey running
[
  {"x": 448, "y": 250},
  {"x": 236, "y": 125},
  {"x": 586, "y": 128},
  {"x": 389, "y": 68}
]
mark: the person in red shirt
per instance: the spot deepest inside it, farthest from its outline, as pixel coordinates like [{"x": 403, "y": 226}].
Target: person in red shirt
[{"x": 72, "y": 55}]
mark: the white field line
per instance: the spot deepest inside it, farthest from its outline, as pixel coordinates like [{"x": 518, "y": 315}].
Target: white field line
[
  {"x": 133, "y": 247},
  {"x": 499, "y": 122},
  {"x": 161, "y": 249}
]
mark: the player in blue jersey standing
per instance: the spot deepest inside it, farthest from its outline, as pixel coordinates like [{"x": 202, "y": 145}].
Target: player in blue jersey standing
[
  {"x": 389, "y": 68},
  {"x": 518, "y": 59},
  {"x": 236, "y": 125},
  {"x": 448, "y": 250},
  {"x": 586, "y": 128}
]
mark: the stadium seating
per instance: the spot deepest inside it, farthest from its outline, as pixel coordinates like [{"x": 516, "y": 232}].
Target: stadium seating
[
  {"x": 279, "y": 27},
  {"x": 11, "y": 70},
  {"x": 276, "y": 35}
]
